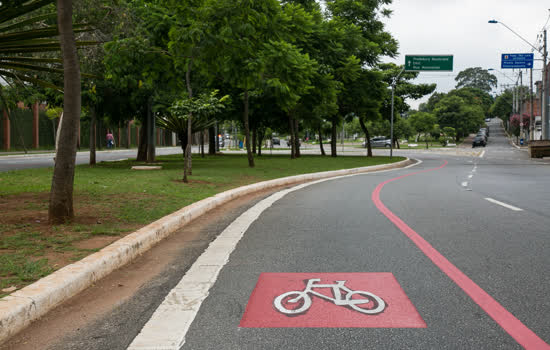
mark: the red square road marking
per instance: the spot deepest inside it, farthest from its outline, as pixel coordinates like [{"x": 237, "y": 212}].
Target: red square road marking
[{"x": 266, "y": 310}]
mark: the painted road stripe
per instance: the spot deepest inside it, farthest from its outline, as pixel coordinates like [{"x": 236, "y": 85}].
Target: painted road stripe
[
  {"x": 482, "y": 154},
  {"x": 470, "y": 176},
  {"x": 168, "y": 326},
  {"x": 511, "y": 207},
  {"x": 465, "y": 184},
  {"x": 517, "y": 330}
]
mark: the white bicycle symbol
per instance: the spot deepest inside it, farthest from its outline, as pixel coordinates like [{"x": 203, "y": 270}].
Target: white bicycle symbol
[{"x": 368, "y": 304}]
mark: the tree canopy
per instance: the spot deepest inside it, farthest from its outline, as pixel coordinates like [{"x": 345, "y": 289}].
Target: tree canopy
[{"x": 476, "y": 77}]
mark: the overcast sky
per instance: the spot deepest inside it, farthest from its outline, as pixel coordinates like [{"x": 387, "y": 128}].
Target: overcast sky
[{"x": 460, "y": 28}]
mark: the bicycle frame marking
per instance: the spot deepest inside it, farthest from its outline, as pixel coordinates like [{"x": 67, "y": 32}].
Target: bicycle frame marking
[{"x": 337, "y": 298}]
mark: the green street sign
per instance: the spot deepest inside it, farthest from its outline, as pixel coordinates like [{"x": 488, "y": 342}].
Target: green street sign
[{"x": 441, "y": 63}]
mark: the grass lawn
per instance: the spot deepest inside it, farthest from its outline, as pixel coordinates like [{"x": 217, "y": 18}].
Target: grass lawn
[{"x": 111, "y": 200}]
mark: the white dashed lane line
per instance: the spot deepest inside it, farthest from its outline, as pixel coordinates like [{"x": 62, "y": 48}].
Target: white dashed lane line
[{"x": 511, "y": 207}]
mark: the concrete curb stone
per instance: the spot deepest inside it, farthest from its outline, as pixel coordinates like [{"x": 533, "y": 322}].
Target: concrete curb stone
[{"x": 20, "y": 308}]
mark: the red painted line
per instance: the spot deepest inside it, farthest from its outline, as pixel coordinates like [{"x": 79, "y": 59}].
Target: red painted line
[{"x": 523, "y": 335}]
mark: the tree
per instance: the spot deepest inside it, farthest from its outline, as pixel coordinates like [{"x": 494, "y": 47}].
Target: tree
[
  {"x": 177, "y": 119},
  {"x": 448, "y": 133},
  {"x": 363, "y": 98},
  {"x": 21, "y": 36},
  {"x": 502, "y": 107},
  {"x": 454, "y": 112},
  {"x": 61, "y": 195},
  {"x": 474, "y": 96},
  {"x": 423, "y": 123},
  {"x": 478, "y": 78},
  {"x": 139, "y": 68},
  {"x": 289, "y": 74},
  {"x": 237, "y": 32}
]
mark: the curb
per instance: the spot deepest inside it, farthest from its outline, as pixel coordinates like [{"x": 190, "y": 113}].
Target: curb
[{"x": 20, "y": 308}]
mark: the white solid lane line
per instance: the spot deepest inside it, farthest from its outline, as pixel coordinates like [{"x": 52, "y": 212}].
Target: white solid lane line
[
  {"x": 482, "y": 154},
  {"x": 511, "y": 207}
]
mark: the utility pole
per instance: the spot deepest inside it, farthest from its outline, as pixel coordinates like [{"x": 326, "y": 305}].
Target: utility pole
[
  {"x": 520, "y": 105},
  {"x": 545, "y": 117},
  {"x": 531, "y": 99}
]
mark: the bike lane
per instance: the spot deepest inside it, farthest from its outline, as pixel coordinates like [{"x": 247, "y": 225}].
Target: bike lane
[{"x": 333, "y": 227}]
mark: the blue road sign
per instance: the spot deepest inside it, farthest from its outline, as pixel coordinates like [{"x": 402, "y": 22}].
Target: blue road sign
[{"x": 517, "y": 60}]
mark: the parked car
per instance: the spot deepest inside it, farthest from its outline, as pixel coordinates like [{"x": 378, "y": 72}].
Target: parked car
[
  {"x": 276, "y": 141},
  {"x": 479, "y": 140},
  {"x": 379, "y": 141}
]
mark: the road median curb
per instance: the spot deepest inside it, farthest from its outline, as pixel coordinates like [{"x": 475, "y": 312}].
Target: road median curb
[{"x": 20, "y": 308}]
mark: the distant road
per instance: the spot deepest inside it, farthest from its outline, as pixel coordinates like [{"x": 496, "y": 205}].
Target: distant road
[{"x": 28, "y": 161}]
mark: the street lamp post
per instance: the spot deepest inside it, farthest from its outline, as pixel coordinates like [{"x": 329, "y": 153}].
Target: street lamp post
[{"x": 544, "y": 53}]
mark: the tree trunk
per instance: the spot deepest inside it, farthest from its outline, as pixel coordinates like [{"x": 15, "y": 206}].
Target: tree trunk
[
  {"x": 296, "y": 138},
  {"x": 142, "y": 145},
  {"x": 151, "y": 137},
  {"x": 93, "y": 119},
  {"x": 187, "y": 162},
  {"x": 292, "y": 144},
  {"x": 202, "y": 143},
  {"x": 254, "y": 138},
  {"x": 183, "y": 141},
  {"x": 321, "y": 142},
  {"x": 367, "y": 137},
  {"x": 247, "y": 131},
  {"x": 211, "y": 140},
  {"x": 261, "y": 136},
  {"x": 61, "y": 194},
  {"x": 333, "y": 141}
]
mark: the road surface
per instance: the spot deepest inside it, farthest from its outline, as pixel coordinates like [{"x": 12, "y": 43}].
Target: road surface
[{"x": 456, "y": 247}]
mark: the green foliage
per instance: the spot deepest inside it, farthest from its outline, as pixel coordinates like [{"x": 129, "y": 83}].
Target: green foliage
[
  {"x": 454, "y": 112},
  {"x": 424, "y": 123},
  {"x": 502, "y": 107},
  {"x": 201, "y": 107},
  {"x": 475, "y": 97},
  {"x": 54, "y": 112},
  {"x": 25, "y": 36},
  {"x": 477, "y": 78}
]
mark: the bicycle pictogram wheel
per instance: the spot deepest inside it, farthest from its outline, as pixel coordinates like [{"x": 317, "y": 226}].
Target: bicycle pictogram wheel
[
  {"x": 369, "y": 304},
  {"x": 292, "y": 302}
]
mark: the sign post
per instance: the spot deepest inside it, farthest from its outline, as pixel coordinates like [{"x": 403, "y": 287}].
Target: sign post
[{"x": 418, "y": 63}]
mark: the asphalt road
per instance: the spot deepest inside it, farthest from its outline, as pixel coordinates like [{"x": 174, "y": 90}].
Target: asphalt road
[
  {"x": 335, "y": 227},
  {"x": 485, "y": 216},
  {"x": 43, "y": 160}
]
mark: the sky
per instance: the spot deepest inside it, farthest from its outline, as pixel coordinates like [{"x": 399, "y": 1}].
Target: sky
[{"x": 460, "y": 28}]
